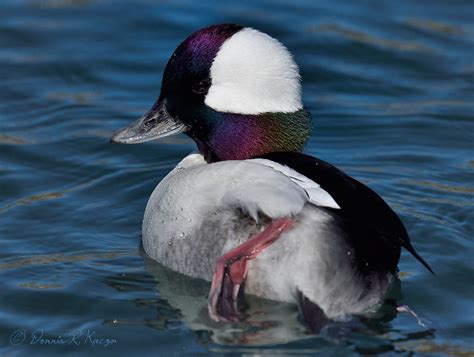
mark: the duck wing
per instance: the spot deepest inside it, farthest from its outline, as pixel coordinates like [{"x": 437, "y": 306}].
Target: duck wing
[{"x": 363, "y": 211}]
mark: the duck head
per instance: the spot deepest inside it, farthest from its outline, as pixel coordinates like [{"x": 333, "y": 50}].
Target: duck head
[{"x": 234, "y": 90}]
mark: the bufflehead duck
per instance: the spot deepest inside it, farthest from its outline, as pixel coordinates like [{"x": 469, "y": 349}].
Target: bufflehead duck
[{"x": 250, "y": 207}]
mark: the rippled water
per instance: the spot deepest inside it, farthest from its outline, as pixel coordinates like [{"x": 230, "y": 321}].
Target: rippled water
[{"x": 390, "y": 88}]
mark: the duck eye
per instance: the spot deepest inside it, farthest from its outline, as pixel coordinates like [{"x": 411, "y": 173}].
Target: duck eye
[{"x": 201, "y": 87}]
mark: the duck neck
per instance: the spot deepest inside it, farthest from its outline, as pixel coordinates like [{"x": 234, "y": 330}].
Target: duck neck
[{"x": 239, "y": 136}]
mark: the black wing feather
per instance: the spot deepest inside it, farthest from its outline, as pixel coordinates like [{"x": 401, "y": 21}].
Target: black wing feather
[{"x": 378, "y": 231}]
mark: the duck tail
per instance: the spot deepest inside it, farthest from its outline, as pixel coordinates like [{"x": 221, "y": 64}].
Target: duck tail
[{"x": 407, "y": 245}]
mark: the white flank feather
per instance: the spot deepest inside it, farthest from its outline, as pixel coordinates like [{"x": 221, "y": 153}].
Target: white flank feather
[{"x": 316, "y": 194}]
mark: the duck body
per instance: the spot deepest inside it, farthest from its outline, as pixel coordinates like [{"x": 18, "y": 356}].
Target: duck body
[
  {"x": 250, "y": 210},
  {"x": 200, "y": 211}
]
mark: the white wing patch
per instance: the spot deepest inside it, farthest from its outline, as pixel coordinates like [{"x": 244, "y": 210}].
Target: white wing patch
[{"x": 316, "y": 194}]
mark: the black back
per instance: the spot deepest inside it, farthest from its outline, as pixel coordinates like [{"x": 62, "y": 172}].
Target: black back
[{"x": 374, "y": 229}]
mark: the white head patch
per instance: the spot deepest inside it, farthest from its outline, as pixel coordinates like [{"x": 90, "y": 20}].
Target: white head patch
[{"x": 253, "y": 73}]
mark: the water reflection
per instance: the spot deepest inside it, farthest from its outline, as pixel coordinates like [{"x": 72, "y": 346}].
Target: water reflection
[
  {"x": 182, "y": 301},
  {"x": 269, "y": 323}
]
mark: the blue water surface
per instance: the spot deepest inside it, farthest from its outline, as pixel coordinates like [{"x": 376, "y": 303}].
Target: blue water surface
[{"x": 390, "y": 86}]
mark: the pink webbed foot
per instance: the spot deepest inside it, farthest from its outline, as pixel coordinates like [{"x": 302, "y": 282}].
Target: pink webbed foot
[
  {"x": 232, "y": 268},
  {"x": 420, "y": 321}
]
